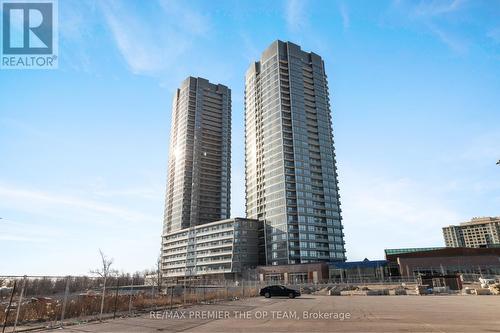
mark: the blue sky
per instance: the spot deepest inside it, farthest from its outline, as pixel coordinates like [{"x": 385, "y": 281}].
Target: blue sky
[{"x": 414, "y": 85}]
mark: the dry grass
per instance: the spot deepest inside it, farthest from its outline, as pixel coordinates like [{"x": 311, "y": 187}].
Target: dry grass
[{"x": 88, "y": 306}]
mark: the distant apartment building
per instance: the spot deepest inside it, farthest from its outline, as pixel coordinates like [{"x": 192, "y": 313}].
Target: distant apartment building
[
  {"x": 478, "y": 232},
  {"x": 221, "y": 249},
  {"x": 199, "y": 166},
  {"x": 290, "y": 167}
]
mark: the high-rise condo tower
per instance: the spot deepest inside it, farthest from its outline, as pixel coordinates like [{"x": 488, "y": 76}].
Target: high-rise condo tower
[
  {"x": 199, "y": 166},
  {"x": 291, "y": 174}
]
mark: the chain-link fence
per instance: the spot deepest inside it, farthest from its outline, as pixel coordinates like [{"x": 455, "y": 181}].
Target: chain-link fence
[{"x": 30, "y": 301}]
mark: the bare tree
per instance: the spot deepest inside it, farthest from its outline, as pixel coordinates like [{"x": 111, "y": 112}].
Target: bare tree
[{"x": 104, "y": 272}]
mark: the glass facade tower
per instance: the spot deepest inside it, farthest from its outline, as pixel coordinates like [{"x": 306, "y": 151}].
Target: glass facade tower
[
  {"x": 199, "y": 166},
  {"x": 290, "y": 167}
]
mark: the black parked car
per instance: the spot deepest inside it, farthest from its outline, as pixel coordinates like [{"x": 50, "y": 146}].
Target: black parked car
[{"x": 278, "y": 290}]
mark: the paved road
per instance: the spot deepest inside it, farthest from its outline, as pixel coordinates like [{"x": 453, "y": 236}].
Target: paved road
[{"x": 359, "y": 313}]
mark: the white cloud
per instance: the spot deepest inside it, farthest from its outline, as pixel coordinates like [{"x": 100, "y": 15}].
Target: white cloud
[
  {"x": 35, "y": 232},
  {"x": 23, "y": 127},
  {"x": 434, "y": 17},
  {"x": 15, "y": 238},
  {"x": 77, "y": 28},
  {"x": 494, "y": 35},
  {"x": 384, "y": 212},
  {"x": 153, "y": 46},
  {"x": 344, "y": 13},
  {"x": 63, "y": 230},
  {"x": 438, "y": 7},
  {"x": 483, "y": 149},
  {"x": 30, "y": 199},
  {"x": 187, "y": 19},
  {"x": 453, "y": 42},
  {"x": 144, "y": 193},
  {"x": 295, "y": 15},
  {"x": 251, "y": 51}
]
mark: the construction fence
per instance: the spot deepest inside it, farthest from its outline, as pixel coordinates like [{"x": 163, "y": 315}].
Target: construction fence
[{"x": 31, "y": 302}]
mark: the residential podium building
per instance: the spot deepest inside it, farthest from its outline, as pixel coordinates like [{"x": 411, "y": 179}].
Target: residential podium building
[
  {"x": 290, "y": 168},
  {"x": 218, "y": 250},
  {"x": 478, "y": 232}
]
